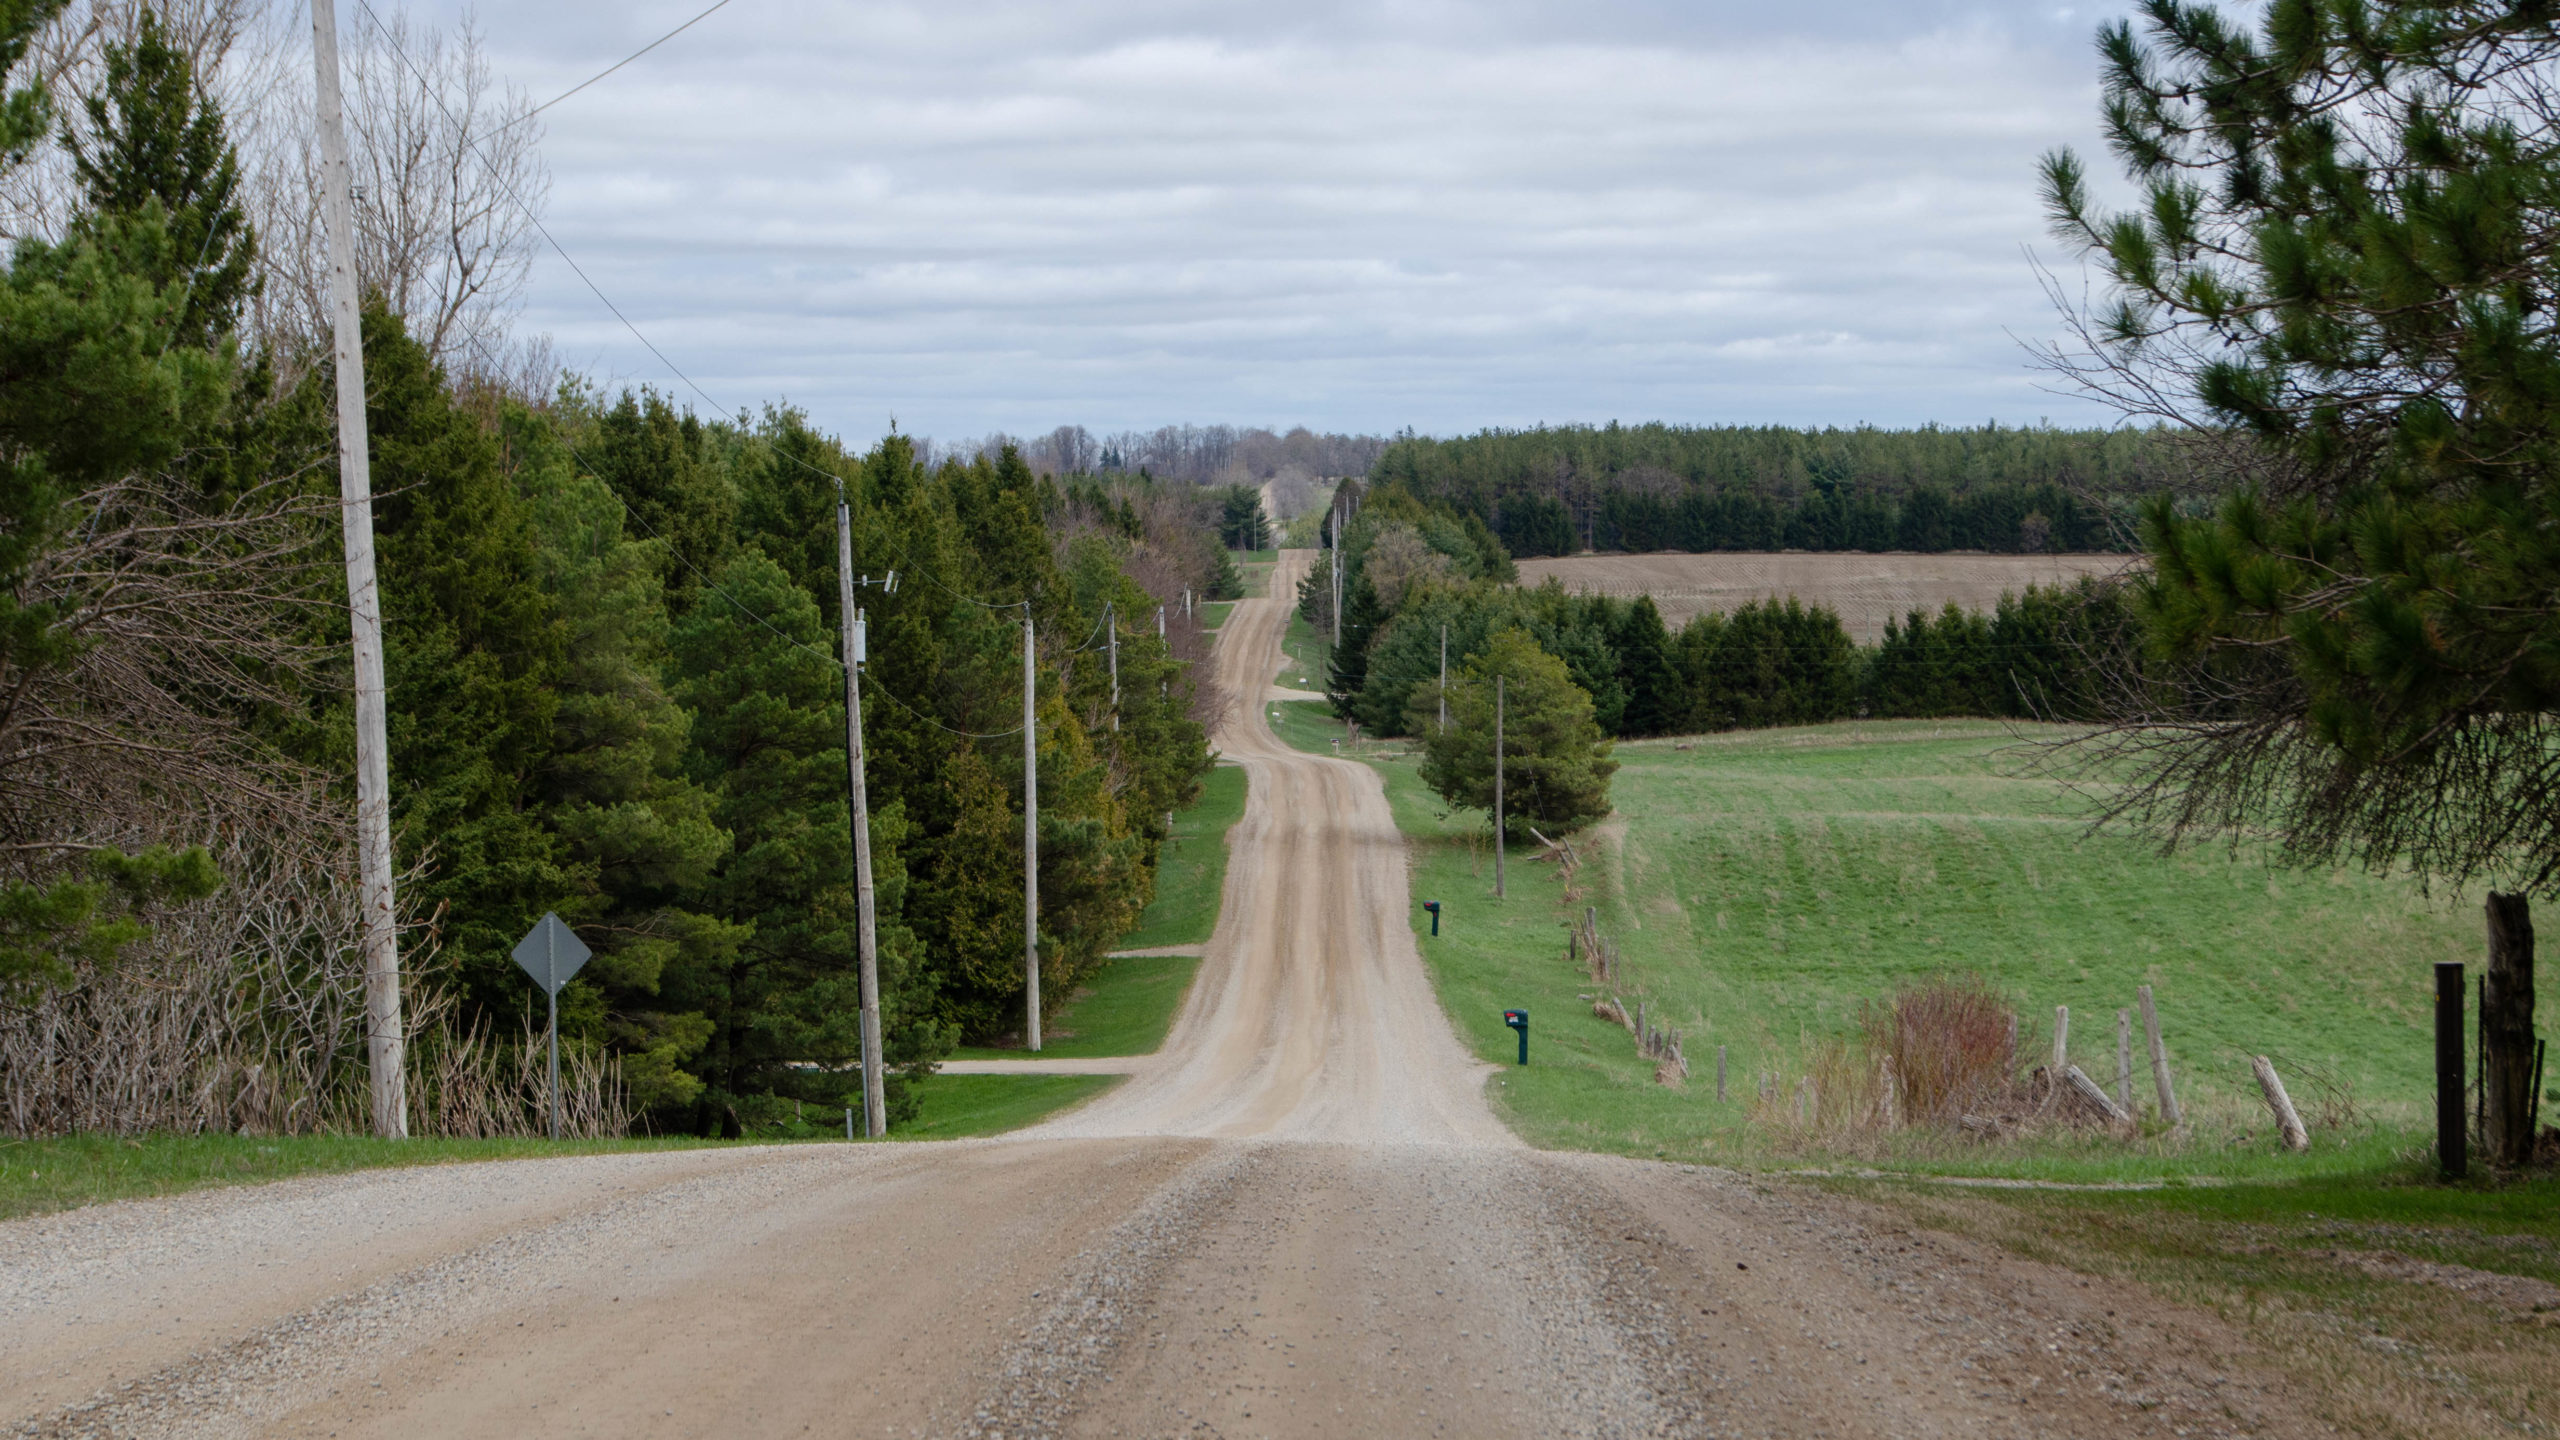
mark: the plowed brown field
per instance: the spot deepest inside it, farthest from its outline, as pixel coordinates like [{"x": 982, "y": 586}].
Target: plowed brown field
[{"x": 1865, "y": 590}]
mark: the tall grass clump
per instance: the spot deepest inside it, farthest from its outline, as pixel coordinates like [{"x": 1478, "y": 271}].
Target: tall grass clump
[{"x": 1950, "y": 1045}]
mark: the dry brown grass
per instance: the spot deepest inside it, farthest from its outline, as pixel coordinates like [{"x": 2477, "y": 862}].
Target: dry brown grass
[
  {"x": 1951, "y": 1045},
  {"x": 1864, "y": 590}
]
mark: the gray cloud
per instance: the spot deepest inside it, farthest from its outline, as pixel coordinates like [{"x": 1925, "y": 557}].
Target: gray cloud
[{"x": 1436, "y": 213}]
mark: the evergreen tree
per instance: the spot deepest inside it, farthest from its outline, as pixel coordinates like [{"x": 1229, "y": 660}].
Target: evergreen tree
[
  {"x": 1556, "y": 763},
  {"x": 92, "y": 388},
  {"x": 1779, "y": 663},
  {"x": 473, "y": 653},
  {"x": 2371, "y": 622},
  {"x": 1644, "y": 658},
  {"x": 777, "y": 978},
  {"x": 634, "y": 833},
  {"x": 1347, "y": 669},
  {"x": 660, "y": 464},
  {"x": 154, "y": 143}
]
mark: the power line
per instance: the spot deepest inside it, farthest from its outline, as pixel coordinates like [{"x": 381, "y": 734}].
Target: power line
[
  {"x": 618, "y": 64},
  {"x": 883, "y": 692},
  {"x": 401, "y": 53}
]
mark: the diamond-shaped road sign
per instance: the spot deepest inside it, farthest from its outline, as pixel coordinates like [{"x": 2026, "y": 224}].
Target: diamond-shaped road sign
[{"x": 551, "y": 952}]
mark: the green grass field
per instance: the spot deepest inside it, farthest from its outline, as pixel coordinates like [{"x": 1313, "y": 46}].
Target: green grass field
[
  {"x": 1763, "y": 886},
  {"x": 1213, "y": 613}
]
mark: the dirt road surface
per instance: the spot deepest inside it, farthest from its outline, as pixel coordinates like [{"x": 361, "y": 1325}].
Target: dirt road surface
[{"x": 1300, "y": 1219}]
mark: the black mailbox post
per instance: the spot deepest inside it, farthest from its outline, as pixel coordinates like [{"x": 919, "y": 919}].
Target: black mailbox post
[
  {"x": 1434, "y": 907},
  {"x": 1519, "y": 1020}
]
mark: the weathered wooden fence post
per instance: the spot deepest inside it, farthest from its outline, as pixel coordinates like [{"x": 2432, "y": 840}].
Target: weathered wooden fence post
[
  {"x": 2124, "y": 1061},
  {"x": 2453, "y": 1139},
  {"x": 2159, "y": 1060},
  {"x": 2506, "y": 1034},
  {"x": 2288, "y": 1122}
]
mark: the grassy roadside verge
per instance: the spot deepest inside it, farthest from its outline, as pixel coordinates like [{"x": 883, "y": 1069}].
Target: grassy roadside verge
[
  {"x": 1191, "y": 873},
  {"x": 41, "y": 1176},
  {"x": 1126, "y": 1008},
  {"x": 1310, "y": 656},
  {"x": 1214, "y": 613},
  {"x": 1256, "y": 567},
  {"x": 1124, "y": 1011}
]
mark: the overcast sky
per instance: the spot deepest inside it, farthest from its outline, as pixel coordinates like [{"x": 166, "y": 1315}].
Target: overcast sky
[{"x": 976, "y": 215}]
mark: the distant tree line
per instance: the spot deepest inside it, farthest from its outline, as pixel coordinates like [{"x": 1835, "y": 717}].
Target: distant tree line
[
  {"x": 1663, "y": 487},
  {"x": 1199, "y": 454}
]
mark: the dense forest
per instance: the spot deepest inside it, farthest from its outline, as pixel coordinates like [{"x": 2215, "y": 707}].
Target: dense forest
[
  {"x": 614, "y": 692},
  {"x": 1420, "y": 574},
  {"x": 1666, "y": 487}
]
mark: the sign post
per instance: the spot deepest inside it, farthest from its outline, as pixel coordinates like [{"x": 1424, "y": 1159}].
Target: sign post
[{"x": 551, "y": 952}]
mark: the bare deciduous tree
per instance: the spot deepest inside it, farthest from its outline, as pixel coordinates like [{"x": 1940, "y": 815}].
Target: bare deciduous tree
[{"x": 449, "y": 182}]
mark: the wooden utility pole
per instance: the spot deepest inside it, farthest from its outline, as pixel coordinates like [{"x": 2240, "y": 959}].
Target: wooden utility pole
[
  {"x": 1336, "y": 568},
  {"x": 875, "y": 1107},
  {"x": 1498, "y": 845},
  {"x": 1030, "y": 838},
  {"x": 1444, "y": 679},
  {"x": 1111, "y": 617},
  {"x": 385, "y": 1045}
]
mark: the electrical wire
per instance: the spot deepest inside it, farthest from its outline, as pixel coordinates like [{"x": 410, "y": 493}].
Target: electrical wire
[
  {"x": 625, "y": 60},
  {"x": 400, "y": 53},
  {"x": 885, "y": 693},
  {"x": 597, "y": 475}
]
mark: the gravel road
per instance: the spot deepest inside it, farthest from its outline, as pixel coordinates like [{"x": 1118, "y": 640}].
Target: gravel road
[{"x": 1299, "y": 1219}]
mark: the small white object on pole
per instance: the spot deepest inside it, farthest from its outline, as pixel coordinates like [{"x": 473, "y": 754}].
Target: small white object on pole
[{"x": 385, "y": 1035}]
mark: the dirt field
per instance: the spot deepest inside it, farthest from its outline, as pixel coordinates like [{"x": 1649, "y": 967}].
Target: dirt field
[{"x": 1866, "y": 590}]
